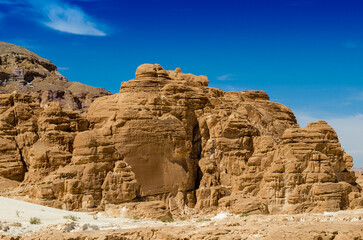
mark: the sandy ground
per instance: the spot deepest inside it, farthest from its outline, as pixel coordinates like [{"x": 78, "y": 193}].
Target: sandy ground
[
  {"x": 16, "y": 215},
  {"x": 54, "y": 224}
]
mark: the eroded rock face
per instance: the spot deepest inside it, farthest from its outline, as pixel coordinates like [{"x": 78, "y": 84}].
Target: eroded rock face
[
  {"x": 27, "y": 73},
  {"x": 166, "y": 136}
]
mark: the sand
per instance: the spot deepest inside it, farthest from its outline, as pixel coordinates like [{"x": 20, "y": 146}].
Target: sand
[
  {"x": 13, "y": 212},
  {"x": 54, "y": 223}
]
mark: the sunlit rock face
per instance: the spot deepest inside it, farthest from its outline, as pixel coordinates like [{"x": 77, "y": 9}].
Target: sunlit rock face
[
  {"x": 167, "y": 136},
  {"x": 27, "y": 73}
]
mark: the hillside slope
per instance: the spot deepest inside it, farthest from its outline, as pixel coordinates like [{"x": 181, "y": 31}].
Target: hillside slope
[{"x": 27, "y": 73}]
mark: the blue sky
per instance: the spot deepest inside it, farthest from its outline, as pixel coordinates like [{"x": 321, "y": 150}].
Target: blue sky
[{"x": 306, "y": 54}]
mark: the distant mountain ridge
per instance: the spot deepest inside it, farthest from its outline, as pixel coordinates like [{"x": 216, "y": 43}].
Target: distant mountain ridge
[{"x": 27, "y": 73}]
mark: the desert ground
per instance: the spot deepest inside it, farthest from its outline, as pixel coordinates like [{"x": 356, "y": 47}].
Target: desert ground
[{"x": 54, "y": 223}]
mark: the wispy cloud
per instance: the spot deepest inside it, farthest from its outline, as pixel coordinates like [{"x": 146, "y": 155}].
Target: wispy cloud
[
  {"x": 70, "y": 19},
  {"x": 227, "y": 77},
  {"x": 60, "y": 15},
  {"x": 349, "y": 130},
  {"x": 62, "y": 68}
]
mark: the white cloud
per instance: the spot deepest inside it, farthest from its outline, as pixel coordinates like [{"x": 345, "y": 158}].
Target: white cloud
[
  {"x": 227, "y": 77},
  {"x": 70, "y": 19},
  {"x": 349, "y": 130},
  {"x": 229, "y": 88},
  {"x": 62, "y": 68},
  {"x": 60, "y": 15}
]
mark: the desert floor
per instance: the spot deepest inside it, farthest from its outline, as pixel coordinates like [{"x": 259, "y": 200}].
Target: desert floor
[{"x": 54, "y": 224}]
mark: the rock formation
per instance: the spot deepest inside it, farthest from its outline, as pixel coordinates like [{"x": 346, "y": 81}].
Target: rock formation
[
  {"x": 167, "y": 137},
  {"x": 27, "y": 73},
  {"x": 359, "y": 175}
]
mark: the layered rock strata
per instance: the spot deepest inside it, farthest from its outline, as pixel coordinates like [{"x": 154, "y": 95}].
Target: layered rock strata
[
  {"x": 167, "y": 136},
  {"x": 25, "y": 72}
]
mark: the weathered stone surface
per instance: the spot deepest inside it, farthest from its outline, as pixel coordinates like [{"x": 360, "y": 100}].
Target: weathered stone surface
[
  {"x": 345, "y": 225},
  {"x": 152, "y": 210},
  {"x": 356, "y": 198},
  {"x": 359, "y": 176},
  {"x": 27, "y": 73},
  {"x": 166, "y": 136}
]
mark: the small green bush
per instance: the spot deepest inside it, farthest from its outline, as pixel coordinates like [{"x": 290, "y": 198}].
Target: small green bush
[
  {"x": 244, "y": 215},
  {"x": 182, "y": 218},
  {"x": 204, "y": 220},
  {"x": 166, "y": 219},
  {"x": 71, "y": 217},
  {"x": 35, "y": 220},
  {"x": 136, "y": 218}
]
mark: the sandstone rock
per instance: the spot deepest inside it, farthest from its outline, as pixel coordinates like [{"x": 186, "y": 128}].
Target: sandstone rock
[
  {"x": 166, "y": 136},
  {"x": 237, "y": 204},
  {"x": 7, "y": 185},
  {"x": 356, "y": 198},
  {"x": 313, "y": 174},
  {"x": 359, "y": 176},
  {"x": 152, "y": 210},
  {"x": 27, "y": 73}
]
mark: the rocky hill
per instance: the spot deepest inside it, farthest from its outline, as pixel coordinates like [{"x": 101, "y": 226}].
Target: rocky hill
[
  {"x": 25, "y": 72},
  {"x": 168, "y": 143}
]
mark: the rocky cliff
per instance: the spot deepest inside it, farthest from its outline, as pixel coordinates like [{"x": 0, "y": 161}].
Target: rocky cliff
[
  {"x": 27, "y": 73},
  {"x": 168, "y": 137}
]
